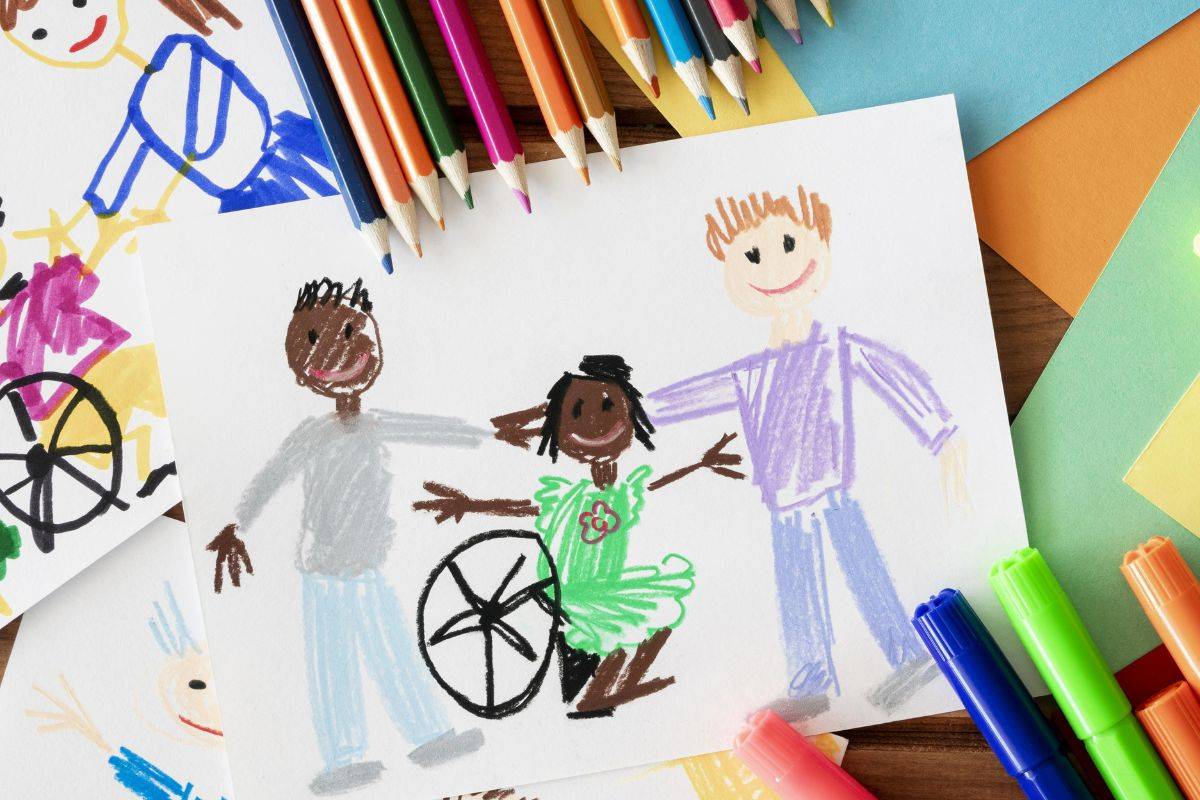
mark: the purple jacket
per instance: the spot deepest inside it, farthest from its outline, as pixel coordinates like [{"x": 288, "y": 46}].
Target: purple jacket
[{"x": 796, "y": 405}]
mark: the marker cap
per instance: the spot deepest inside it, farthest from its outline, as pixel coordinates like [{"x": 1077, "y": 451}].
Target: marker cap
[
  {"x": 1170, "y": 595},
  {"x": 1172, "y": 718},
  {"x": 790, "y": 764}
]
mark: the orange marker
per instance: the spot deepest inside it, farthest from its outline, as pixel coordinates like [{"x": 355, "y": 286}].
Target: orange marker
[
  {"x": 397, "y": 113},
  {"x": 1170, "y": 596},
  {"x": 365, "y": 122},
  {"x": 634, "y": 36},
  {"x": 548, "y": 81},
  {"x": 1172, "y": 718}
]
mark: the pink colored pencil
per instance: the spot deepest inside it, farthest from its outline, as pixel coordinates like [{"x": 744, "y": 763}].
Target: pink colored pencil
[
  {"x": 483, "y": 94},
  {"x": 734, "y": 18}
]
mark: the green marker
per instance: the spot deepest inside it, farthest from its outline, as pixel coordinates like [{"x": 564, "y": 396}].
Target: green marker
[
  {"x": 428, "y": 102},
  {"x": 1070, "y": 663}
]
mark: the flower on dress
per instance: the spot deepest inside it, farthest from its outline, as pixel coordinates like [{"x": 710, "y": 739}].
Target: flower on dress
[
  {"x": 598, "y": 523},
  {"x": 10, "y": 546}
]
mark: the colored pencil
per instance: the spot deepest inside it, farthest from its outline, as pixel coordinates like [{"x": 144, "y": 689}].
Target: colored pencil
[
  {"x": 785, "y": 11},
  {"x": 822, "y": 7},
  {"x": 428, "y": 100},
  {"x": 683, "y": 51},
  {"x": 483, "y": 94},
  {"x": 734, "y": 18},
  {"x": 718, "y": 53},
  {"x": 345, "y": 161},
  {"x": 548, "y": 81},
  {"x": 583, "y": 75},
  {"x": 634, "y": 36},
  {"x": 351, "y": 85},
  {"x": 398, "y": 118},
  {"x": 758, "y": 26}
]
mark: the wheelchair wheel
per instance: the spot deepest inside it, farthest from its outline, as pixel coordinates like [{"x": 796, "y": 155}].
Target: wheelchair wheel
[
  {"x": 488, "y": 619},
  {"x": 41, "y": 485}
]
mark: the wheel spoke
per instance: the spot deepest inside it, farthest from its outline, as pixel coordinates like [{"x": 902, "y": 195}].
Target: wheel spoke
[
  {"x": 443, "y": 632},
  {"x": 473, "y": 600},
  {"x": 75, "y": 400},
  {"x": 524, "y": 595},
  {"x": 457, "y": 633},
  {"x": 76, "y": 450},
  {"x": 18, "y": 485},
  {"x": 89, "y": 483},
  {"x": 514, "y": 640},
  {"x": 22, "y": 415},
  {"x": 496, "y": 595},
  {"x": 13, "y": 456}
]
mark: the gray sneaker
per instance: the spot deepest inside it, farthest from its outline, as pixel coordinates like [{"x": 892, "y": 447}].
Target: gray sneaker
[
  {"x": 447, "y": 747},
  {"x": 344, "y": 779}
]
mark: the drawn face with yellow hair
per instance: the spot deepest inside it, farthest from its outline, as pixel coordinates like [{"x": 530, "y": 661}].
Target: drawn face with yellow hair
[{"x": 78, "y": 34}]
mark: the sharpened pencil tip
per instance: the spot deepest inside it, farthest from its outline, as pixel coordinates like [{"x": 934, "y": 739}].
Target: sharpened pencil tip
[
  {"x": 756, "y": 65},
  {"x": 417, "y": 249},
  {"x": 442, "y": 220},
  {"x": 706, "y": 104},
  {"x": 587, "y": 176},
  {"x": 654, "y": 86},
  {"x": 745, "y": 104},
  {"x": 387, "y": 263},
  {"x": 796, "y": 35},
  {"x": 469, "y": 199},
  {"x": 523, "y": 199}
]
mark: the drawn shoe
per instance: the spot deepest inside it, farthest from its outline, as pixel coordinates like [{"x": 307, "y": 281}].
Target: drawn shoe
[
  {"x": 343, "y": 779},
  {"x": 905, "y": 681},
  {"x": 447, "y": 747}
]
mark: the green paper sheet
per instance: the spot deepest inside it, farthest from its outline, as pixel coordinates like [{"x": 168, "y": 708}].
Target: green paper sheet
[{"x": 1131, "y": 353}]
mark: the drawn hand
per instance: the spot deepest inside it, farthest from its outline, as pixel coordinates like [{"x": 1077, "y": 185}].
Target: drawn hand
[
  {"x": 451, "y": 502},
  {"x": 231, "y": 555},
  {"x": 718, "y": 461},
  {"x": 952, "y": 459},
  {"x": 70, "y": 715},
  {"x": 510, "y": 428}
]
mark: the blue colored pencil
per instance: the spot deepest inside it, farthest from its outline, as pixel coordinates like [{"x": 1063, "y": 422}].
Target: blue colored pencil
[
  {"x": 366, "y": 212},
  {"x": 683, "y": 49}
]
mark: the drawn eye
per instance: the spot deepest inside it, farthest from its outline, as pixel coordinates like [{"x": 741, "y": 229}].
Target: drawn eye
[
  {"x": 577, "y": 409},
  {"x": 349, "y": 331},
  {"x": 606, "y": 404},
  {"x": 39, "y": 34},
  {"x": 753, "y": 256},
  {"x": 195, "y": 683},
  {"x": 312, "y": 336},
  {"x": 789, "y": 244}
]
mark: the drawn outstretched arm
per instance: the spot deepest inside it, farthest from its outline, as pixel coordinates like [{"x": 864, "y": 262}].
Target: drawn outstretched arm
[
  {"x": 427, "y": 429},
  {"x": 68, "y": 715},
  {"x": 514, "y": 428},
  {"x": 449, "y": 502},
  {"x": 692, "y": 398},
  {"x": 714, "y": 459},
  {"x": 117, "y": 172}
]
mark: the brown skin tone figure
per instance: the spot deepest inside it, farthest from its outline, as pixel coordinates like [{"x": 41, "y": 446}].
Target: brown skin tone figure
[{"x": 333, "y": 349}]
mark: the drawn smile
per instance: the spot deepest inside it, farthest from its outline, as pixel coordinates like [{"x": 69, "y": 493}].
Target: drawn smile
[
  {"x": 796, "y": 284},
  {"x": 199, "y": 727},
  {"x": 600, "y": 441},
  {"x": 90, "y": 39},
  {"x": 339, "y": 375}
]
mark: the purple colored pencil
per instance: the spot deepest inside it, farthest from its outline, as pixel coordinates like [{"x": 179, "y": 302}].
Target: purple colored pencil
[{"x": 483, "y": 94}]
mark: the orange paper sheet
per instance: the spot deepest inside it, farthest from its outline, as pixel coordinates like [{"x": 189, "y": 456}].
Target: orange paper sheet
[{"x": 1054, "y": 197}]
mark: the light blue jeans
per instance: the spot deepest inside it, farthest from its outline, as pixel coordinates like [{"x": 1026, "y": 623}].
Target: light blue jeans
[
  {"x": 353, "y": 620},
  {"x": 800, "y": 578}
]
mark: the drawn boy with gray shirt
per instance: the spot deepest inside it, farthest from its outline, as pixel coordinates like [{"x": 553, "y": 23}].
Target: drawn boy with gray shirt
[{"x": 351, "y": 614}]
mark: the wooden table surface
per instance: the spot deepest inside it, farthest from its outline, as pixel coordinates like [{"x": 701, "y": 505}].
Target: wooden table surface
[{"x": 931, "y": 757}]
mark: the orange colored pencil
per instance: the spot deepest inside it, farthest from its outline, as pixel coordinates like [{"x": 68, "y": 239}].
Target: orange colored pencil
[
  {"x": 634, "y": 36},
  {"x": 583, "y": 74},
  {"x": 548, "y": 81},
  {"x": 390, "y": 97},
  {"x": 365, "y": 122}
]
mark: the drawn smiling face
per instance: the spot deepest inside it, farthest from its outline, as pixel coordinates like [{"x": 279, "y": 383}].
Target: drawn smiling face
[
  {"x": 595, "y": 423},
  {"x": 776, "y": 268},
  {"x": 334, "y": 349},
  {"x": 80, "y": 34},
  {"x": 185, "y": 688}
]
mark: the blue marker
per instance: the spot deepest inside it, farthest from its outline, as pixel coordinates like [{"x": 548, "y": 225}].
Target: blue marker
[
  {"x": 996, "y": 699},
  {"x": 366, "y": 212},
  {"x": 683, "y": 49}
]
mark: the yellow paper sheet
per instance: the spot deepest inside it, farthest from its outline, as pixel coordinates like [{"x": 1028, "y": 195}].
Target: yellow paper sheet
[
  {"x": 1167, "y": 473},
  {"x": 772, "y": 95}
]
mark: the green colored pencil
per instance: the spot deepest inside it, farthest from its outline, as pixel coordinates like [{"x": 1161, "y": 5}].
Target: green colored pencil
[{"x": 425, "y": 93}]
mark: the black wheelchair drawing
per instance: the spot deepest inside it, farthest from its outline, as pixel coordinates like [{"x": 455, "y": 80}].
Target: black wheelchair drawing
[
  {"x": 48, "y": 467},
  {"x": 492, "y": 655}
]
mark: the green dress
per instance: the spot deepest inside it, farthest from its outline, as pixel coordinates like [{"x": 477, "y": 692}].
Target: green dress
[{"x": 606, "y": 604}]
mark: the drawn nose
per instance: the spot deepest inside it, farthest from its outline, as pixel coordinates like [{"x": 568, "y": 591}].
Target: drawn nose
[{"x": 38, "y": 462}]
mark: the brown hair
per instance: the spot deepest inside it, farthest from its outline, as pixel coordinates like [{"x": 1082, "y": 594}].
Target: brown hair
[
  {"x": 738, "y": 216},
  {"x": 194, "y": 13}
]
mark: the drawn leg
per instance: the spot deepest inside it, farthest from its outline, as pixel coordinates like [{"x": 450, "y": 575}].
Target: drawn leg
[
  {"x": 875, "y": 595},
  {"x": 408, "y": 693},
  {"x": 615, "y": 684},
  {"x": 804, "y": 613},
  {"x": 331, "y": 609}
]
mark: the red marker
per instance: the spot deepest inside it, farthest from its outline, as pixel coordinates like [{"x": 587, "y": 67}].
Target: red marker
[{"x": 790, "y": 764}]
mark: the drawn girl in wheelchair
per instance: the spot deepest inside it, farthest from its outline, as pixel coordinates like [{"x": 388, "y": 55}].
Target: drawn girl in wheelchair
[{"x": 576, "y": 563}]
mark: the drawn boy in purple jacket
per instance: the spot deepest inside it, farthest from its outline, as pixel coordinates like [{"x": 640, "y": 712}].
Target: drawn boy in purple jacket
[{"x": 796, "y": 403}]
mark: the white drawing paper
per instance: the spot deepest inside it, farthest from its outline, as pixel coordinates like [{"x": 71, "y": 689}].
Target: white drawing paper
[
  {"x": 119, "y": 114},
  {"x": 691, "y": 443}
]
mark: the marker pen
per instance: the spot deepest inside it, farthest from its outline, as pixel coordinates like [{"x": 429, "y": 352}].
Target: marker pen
[
  {"x": 997, "y": 701},
  {"x": 1172, "y": 718},
  {"x": 790, "y": 764},
  {"x": 1071, "y": 664},
  {"x": 1170, "y": 596}
]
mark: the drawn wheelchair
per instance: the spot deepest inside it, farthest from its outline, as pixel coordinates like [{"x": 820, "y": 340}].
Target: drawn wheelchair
[
  {"x": 32, "y": 478},
  {"x": 487, "y": 644}
]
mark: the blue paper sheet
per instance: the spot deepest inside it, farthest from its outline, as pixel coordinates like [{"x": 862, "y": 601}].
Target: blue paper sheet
[{"x": 1006, "y": 61}]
